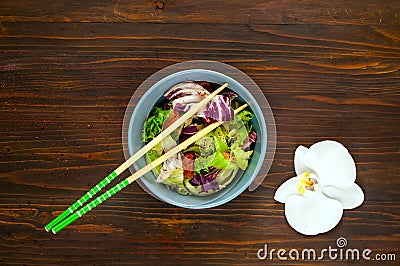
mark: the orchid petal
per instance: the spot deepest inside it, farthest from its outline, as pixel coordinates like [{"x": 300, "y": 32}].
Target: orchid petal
[
  {"x": 312, "y": 213},
  {"x": 288, "y": 188},
  {"x": 299, "y": 165},
  {"x": 350, "y": 198},
  {"x": 332, "y": 162}
]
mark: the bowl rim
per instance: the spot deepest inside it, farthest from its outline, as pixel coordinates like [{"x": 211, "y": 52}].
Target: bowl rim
[{"x": 267, "y": 124}]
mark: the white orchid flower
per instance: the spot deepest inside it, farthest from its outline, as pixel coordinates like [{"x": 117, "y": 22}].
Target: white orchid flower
[{"x": 324, "y": 186}]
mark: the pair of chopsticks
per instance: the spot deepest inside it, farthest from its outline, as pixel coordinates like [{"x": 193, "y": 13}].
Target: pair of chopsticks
[{"x": 78, "y": 209}]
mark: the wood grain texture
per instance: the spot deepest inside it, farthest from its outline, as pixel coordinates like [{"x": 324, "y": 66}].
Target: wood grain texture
[
  {"x": 213, "y": 11},
  {"x": 330, "y": 70}
]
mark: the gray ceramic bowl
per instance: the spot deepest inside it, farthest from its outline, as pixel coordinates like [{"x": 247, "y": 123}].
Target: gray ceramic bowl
[{"x": 137, "y": 114}]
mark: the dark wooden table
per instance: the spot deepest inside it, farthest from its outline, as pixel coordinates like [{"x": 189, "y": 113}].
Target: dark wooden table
[{"x": 330, "y": 70}]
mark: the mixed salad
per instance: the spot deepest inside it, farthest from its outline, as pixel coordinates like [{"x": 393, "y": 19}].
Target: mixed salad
[{"x": 212, "y": 162}]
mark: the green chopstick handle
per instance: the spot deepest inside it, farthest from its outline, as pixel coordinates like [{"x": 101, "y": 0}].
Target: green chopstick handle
[
  {"x": 55, "y": 221},
  {"x": 90, "y": 206},
  {"x": 64, "y": 223},
  {"x": 71, "y": 209}
]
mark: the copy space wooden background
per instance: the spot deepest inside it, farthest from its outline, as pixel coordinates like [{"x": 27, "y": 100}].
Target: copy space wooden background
[{"x": 330, "y": 70}]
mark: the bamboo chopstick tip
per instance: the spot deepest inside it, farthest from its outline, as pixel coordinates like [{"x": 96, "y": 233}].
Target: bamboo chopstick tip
[
  {"x": 54, "y": 232},
  {"x": 47, "y": 230},
  {"x": 224, "y": 86},
  {"x": 221, "y": 88},
  {"x": 241, "y": 108}
]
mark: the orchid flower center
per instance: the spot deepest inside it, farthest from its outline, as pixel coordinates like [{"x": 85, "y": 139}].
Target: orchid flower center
[{"x": 307, "y": 182}]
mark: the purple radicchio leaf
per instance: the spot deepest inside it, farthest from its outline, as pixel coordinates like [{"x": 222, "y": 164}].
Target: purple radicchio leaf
[
  {"x": 230, "y": 94},
  {"x": 185, "y": 89},
  {"x": 218, "y": 109},
  {"x": 186, "y": 95},
  {"x": 251, "y": 138},
  {"x": 210, "y": 185},
  {"x": 190, "y": 130},
  {"x": 206, "y": 181},
  {"x": 185, "y": 103}
]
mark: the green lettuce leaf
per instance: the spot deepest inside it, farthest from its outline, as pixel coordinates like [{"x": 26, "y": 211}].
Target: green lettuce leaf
[
  {"x": 153, "y": 125},
  {"x": 221, "y": 133},
  {"x": 226, "y": 176},
  {"x": 240, "y": 156},
  {"x": 220, "y": 145},
  {"x": 175, "y": 180},
  {"x": 246, "y": 117},
  {"x": 219, "y": 162},
  {"x": 153, "y": 154},
  {"x": 202, "y": 163}
]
